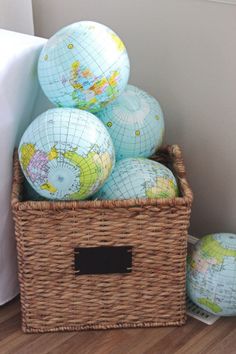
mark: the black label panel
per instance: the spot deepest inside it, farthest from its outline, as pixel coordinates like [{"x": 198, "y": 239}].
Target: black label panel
[{"x": 103, "y": 260}]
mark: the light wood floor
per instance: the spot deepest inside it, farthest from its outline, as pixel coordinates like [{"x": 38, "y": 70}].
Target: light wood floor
[{"x": 194, "y": 337}]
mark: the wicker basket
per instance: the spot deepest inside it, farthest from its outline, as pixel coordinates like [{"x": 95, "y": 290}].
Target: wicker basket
[{"x": 56, "y": 297}]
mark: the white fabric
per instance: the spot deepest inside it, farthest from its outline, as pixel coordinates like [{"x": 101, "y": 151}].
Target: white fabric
[{"x": 18, "y": 92}]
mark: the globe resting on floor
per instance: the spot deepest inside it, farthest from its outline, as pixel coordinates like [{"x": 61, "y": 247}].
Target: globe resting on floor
[
  {"x": 135, "y": 122},
  {"x": 139, "y": 178},
  {"x": 211, "y": 275},
  {"x": 66, "y": 153},
  {"x": 84, "y": 65}
]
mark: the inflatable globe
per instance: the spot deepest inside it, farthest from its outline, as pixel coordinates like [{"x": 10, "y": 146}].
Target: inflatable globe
[
  {"x": 211, "y": 277},
  {"x": 135, "y": 123},
  {"x": 66, "y": 153},
  {"x": 139, "y": 178},
  {"x": 84, "y": 65}
]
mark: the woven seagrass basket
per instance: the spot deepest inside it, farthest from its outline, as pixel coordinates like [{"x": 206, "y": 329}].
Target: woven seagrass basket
[{"x": 103, "y": 264}]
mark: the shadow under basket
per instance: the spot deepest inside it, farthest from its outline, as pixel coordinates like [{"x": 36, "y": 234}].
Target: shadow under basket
[{"x": 103, "y": 264}]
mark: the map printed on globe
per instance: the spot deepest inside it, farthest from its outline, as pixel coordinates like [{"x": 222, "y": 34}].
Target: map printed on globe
[
  {"x": 84, "y": 65},
  {"x": 211, "y": 278},
  {"x": 66, "y": 154},
  {"x": 135, "y": 122},
  {"x": 139, "y": 178}
]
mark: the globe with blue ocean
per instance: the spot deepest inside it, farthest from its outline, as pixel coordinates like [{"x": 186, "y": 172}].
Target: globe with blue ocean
[
  {"x": 84, "y": 65},
  {"x": 135, "y": 122},
  {"x": 211, "y": 278},
  {"x": 66, "y": 153}
]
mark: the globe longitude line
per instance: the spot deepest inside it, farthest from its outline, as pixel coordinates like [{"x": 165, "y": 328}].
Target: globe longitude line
[
  {"x": 64, "y": 65},
  {"x": 54, "y": 76},
  {"x": 90, "y": 149},
  {"x": 77, "y": 52},
  {"x": 138, "y": 127},
  {"x": 89, "y": 56},
  {"x": 126, "y": 182},
  {"x": 121, "y": 182},
  {"x": 108, "y": 186},
  {"x": 215, "y": 292},
  {"x": 105, "y": 63},
  {"x": 149, "y": 136},
  {"x": 120, "y": 136},
  {"x": 64, "y": 162},
  {"x": 95, "y": 61},
  {"x": 89, "y": 170},
  {"x": 55, "y": 56},
  {"x": 54, "y": 161},
  {"x": 134, "y": 180},
  {"x": 146, "y": 120},
  {"x": 79, "y": 123},
  {"x": 64, "y": 144},
  {"x": 37, "y": 143},
  {"x": 49, "y": 116}
]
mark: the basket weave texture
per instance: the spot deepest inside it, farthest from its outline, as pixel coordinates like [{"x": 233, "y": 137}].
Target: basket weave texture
[{"x": 53, "y": 298}]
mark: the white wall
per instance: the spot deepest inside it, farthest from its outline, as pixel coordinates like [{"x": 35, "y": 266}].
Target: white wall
[
  {"x": 16, "y": 15},
  {"x": 184, "y": 53}
]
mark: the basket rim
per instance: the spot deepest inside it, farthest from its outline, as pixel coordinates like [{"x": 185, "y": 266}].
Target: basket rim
[{"x": 175, "y": 153}]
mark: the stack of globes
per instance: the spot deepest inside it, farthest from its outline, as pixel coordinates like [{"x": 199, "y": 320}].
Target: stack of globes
[{"x": 69, "y": 152}]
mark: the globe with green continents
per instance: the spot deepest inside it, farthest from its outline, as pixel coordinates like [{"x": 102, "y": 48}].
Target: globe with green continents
[
  {"x": 66, "y": 153},
  {"x": 84, "y": 65},
  {"x": 139, "y": 178},
  {"x": 211, "y": 277},
  {"x": 135, "y": 122}
]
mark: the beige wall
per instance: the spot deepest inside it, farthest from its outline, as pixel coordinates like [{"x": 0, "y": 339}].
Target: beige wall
[
  {"x": 16, "y": 16},
  {"x": 184, "y": 53}
]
